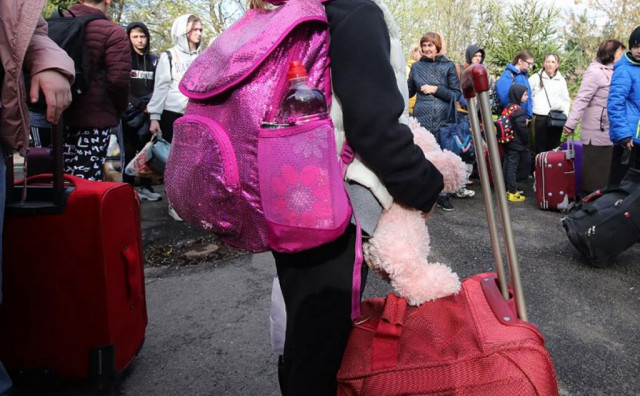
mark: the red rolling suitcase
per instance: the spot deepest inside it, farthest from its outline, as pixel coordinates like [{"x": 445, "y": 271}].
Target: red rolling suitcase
[
  {"x": 74, "y": 304},
  {"x": 477, "y": 342},
  {"x": 555, "y": 179}
]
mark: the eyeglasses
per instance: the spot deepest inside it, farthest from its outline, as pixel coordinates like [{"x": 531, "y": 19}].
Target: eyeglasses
[{"x": 530, "y": 63}]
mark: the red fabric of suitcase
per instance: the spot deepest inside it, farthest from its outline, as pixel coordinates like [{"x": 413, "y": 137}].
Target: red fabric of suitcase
[
  {"x": 555, "y": 180},
  {"x": 74, "y": 300},
  {"x": 468, "y": 344}
]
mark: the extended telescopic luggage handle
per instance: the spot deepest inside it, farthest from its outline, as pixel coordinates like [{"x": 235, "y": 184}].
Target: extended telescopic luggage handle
[
  {"x": 475, "y": 82},
  {"x": 41, "y": 194}
]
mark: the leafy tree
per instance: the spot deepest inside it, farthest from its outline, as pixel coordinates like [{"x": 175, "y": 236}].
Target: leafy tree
[
  {"x": 159, "y": 15},
  {"x": 527, "y": 25},
  {"x": 582, "y": 40},
  {"x": 461, "y": 22},
  {"x": 622, "y": 16}
]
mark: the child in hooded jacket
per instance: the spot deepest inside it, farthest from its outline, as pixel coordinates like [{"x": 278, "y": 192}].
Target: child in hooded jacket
[{"x": 516, "y": 152}]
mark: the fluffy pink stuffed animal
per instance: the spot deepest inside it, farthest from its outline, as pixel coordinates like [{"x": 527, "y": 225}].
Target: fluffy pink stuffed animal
[{"x": 399, "y": 247}]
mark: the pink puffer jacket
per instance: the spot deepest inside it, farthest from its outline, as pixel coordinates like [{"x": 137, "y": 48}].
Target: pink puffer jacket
[
  {"x": 590, "y": 105},
  {"x": 24, "y": 44}
]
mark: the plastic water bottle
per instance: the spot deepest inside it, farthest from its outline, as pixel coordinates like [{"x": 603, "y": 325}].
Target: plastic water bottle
[{"x": 302, "y": 102}]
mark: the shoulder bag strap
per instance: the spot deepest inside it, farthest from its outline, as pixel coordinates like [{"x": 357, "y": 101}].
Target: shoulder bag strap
[{"x": 545, "y": 91}]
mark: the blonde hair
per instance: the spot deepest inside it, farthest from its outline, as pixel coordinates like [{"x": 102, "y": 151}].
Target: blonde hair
[
  {"x": 415, "y": 47},
  {"x": 257, "y": 4}
]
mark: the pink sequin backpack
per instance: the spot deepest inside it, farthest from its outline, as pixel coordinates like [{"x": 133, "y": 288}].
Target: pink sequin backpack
[{"x": 259, "y": 188}]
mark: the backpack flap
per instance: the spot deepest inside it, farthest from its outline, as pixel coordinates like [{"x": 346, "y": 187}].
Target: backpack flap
[{"x": 240, "y": 50}]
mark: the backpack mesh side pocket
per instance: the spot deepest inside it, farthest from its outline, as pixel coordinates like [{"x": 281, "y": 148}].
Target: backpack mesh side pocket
[
  {"x": 303, "y": 195},
  {"x": 202, "y": 178}
]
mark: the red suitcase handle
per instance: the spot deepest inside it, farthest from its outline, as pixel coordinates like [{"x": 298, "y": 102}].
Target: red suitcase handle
[
  {"x": 475, "y": 79},
  {"x": 131, "y": 259},
  {"x": 384, "y": 348}
]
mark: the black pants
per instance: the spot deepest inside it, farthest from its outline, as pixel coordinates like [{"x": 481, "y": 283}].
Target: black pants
[
  {"x": 316, "y": 285},
  {"x": 546, "y": 139},
  {"x": 132, "y": 144},
  {"x": 166, "y": 124},
  {"x": 85, "y": 151},
  {"x": 618, "y": 170},
  {"x": 513, "y": 160}
]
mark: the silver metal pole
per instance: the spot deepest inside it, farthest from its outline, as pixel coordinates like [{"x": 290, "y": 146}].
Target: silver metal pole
[
  {"x": 501, "y": 197},
  {"x": 486, "y": 196}
]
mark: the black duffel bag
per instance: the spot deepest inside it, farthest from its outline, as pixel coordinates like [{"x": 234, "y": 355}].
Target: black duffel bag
[{"x": 607, "y": 221}]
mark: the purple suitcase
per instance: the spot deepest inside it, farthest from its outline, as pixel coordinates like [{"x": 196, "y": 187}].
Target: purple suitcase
[
  {"x": 555, "y": 180},
  {"x": 577, "y": 147}
]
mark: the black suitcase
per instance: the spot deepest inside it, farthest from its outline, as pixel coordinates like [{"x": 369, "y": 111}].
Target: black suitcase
[{"x": 607, "y": 222}]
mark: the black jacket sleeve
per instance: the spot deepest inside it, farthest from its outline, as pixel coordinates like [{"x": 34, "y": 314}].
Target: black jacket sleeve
[
  {"x": 521, "y": 130},
  {"x": 366, "y": 87}
]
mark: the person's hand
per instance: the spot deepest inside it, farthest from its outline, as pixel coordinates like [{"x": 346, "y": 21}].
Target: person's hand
[
  {"x": 154, "y": 127},
  {"x": 627, "y": 143},
  {"x": 528, "y": 121},
  {"x": 567, "y": 131},
  {"x": 428, "y": 89},
  {"x": 56, "y": 89}
]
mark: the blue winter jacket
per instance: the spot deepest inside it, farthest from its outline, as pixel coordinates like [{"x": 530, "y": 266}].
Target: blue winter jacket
[
  {"x": 512, "y": 76},
  {"x": 433, "y": 111},
  {"x": 623, "y": 105}
]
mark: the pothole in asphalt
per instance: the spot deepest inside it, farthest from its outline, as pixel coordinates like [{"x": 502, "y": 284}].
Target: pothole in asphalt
[{"x": 188, "y": 252}]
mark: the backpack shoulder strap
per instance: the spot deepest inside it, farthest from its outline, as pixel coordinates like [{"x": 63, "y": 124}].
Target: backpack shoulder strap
[
  {"x": 511, "y": 109},
  {"x": 170, "y": 58}
]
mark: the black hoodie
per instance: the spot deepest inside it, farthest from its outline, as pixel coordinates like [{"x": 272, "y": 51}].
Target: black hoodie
[
  {"x": 518, "y": 119},
  {"x": 471, "y": 51},
  {"x": 142, "y": 71}
]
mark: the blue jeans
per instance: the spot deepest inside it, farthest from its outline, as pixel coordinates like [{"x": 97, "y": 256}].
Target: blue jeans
[
  {"x": 3, "y": 196},
  {"x": 5, "y": 381},
  {"x": 40, "y": 129}
]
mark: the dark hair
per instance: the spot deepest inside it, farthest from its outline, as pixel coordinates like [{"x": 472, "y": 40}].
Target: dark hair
[
  {"x": 607, "y": 51},
  {"x": 554, "y": 55},
  {"x": 524, "y": 55},
  {"x": 434, "y": 38}
]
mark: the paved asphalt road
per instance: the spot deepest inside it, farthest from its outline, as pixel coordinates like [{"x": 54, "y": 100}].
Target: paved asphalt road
[{"x": 209, "y": 305}]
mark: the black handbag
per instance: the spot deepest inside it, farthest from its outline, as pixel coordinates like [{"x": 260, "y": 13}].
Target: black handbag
[{"x": 555, "y": 119}]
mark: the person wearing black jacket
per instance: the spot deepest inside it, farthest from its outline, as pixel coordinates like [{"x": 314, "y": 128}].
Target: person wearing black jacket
[
  {"x": 135, "y": 120},
  {"x": 317, "y": 283},
  {"x": 516, "y": 151}
]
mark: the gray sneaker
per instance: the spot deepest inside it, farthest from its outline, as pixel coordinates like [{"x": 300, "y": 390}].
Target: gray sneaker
[
  {"x": 464, "y": 193},
  {"x": 148, "y": 194},
  {"x": 173, "y": 214}
]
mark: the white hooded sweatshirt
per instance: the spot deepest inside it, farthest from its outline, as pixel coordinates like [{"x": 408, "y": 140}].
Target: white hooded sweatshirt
[{"x": 166, "y": 95}]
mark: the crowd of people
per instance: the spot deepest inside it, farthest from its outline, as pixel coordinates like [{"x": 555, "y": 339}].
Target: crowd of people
[
  {"x": 537, "y": 95},
  {"x": 131, "y": 87}
]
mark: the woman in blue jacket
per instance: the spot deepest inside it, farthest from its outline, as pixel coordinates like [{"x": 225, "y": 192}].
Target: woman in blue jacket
[
  {"x": 435, "y": 81},
  {"x": 623, "y": 108}
]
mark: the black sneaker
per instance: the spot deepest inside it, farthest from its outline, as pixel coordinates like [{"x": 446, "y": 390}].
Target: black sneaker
[{"x": 444, "y": 203}]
